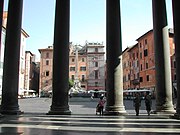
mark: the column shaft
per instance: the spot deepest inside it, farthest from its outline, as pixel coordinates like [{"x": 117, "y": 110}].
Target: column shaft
[
  {"x": 9, "y": 103},
  {"x": 162, "y": 58},
  {"x": 176, "y": 19},
  {"x": 61, "y": 59},
  {"x": 114, "y": 85}
]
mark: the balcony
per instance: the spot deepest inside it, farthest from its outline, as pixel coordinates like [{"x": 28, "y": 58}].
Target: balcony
[{"x": 135, "y": 81}]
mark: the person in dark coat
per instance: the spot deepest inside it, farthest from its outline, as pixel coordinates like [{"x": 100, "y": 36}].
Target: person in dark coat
[
  {"x": 148, "y": 103},
  {"x": 137, "y": 103}
]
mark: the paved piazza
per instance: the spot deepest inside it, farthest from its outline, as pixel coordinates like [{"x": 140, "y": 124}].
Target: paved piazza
[{"x": 83, "y": 121}]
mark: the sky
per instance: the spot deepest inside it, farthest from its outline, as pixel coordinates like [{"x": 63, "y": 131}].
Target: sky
[{"x": 87, "y": 21}]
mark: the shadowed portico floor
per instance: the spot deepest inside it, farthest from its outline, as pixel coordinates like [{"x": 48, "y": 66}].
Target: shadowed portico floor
[{"x": 83, "y": 121}]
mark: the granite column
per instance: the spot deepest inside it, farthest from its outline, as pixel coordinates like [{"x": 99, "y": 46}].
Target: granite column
[
  {"x": 9, "y": 103},
  {"x": 114, "y": 82},
  {"x": 61, "y": 59},
  {"x": 162, "y": 58}
]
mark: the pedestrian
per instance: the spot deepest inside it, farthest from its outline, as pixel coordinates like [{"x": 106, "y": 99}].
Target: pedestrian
[
  {"x": 148, "y": 103},
  {"x": 101, "y": 105},
  {"x": 137, "y": 103}
]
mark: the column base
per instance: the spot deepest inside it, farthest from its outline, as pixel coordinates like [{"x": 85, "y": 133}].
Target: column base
[
  {"x": 59, "y": 111},
  {"x": 165, "y": 109},
  {"x": 115, "y": 110},
  {"x": 11, "y": 112},
  {"x": 164, "y": 112}
]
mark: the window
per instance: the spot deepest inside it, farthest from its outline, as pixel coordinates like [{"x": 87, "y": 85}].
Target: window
[
  {"x": 141, "y": 55},
  {"x": 145, "y": 52},
  {"x": 96, "y": 64},
  {"x": 47, "y": 73},
  {"x": 47, "y": 55},
  {"x": 141, "y": 67},
  {"x": 83, "y": 60},
  {"x": 72, "y": 59},
  {"x": 96, "y": 74},
  {"x": 140, "y": 45},
  {"x": 141, "y": 79},
  {"x": 72, "y": 77},
  {"x": 137, "y": 63},
  {"x": 128, "y": 77},
  {"x": 145, "y": 41},
  {"x": 96, "y": 49},
  {"x": 146, "y": 65},
  {"x": 47, "y": 62},
  {"x": 72, "y": 68},
  {"x": 133, "y": 56},
  {"x": 83, "y": 78},
  {"x": 82, "y": 68},
  {"x": 147, "y": 78}
]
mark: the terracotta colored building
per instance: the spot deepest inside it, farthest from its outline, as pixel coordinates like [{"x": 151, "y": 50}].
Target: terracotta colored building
[
  {"x": 46, "y": 61},
  {"x": 81, "y": 66},
  {"x": 146, "y": 61},
  {"x": 126, "y": 69},
  {"x": 134, "y": 66},
  {"x": 141, "y": 61}
]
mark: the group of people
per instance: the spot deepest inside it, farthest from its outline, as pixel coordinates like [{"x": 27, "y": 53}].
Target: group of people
[{"x": 137, "y": 103}]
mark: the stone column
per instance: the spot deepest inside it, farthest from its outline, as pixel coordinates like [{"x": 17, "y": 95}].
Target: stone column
[
  {"x": 162, "y": 58},
  {"x": 61, "y": 59},
  {"x": 176, "y": 19},
  {"x": 114, "y": 85},
  {"x": 9, "y": 103}
]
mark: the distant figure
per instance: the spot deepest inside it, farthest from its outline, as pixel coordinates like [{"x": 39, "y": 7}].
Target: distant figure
[
  {"x": 137, "y": 103},
  {"x": 148, "y": 103},
  {"x": 101, "y": 105}
]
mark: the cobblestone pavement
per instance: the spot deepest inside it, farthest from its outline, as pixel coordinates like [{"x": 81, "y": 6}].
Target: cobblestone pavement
[{"x": 83, "y": 120}]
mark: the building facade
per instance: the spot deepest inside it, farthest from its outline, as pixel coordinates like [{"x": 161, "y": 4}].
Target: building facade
[
  {"x": 46, "y": 61},
  {"x": 78, "y": 65},
  {"x": 86, "y": 64},
  {"x": 31, "y": 80},
  {"x": 146, "y": 60},
  {"x": 126, "y": 69},
  {"x": 24, "y": 37},
  {"x": 134, "y": 67},
  {"x": 96, "y": 66},
  {"x": 141, "y": 59}
]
